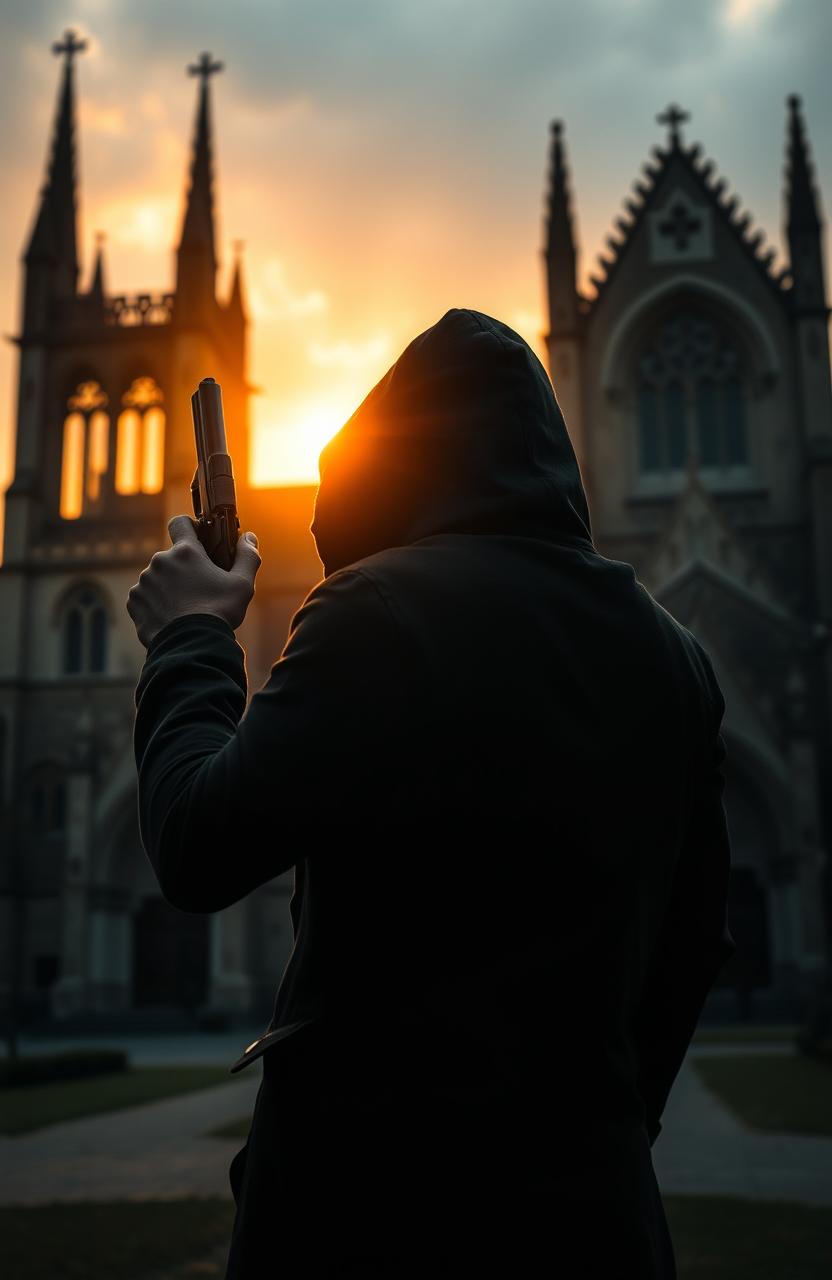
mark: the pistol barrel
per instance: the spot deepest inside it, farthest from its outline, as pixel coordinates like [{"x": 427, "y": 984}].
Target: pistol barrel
[
  {"x": 212, "y": 489},
  {"x": 211, "y": 418}
]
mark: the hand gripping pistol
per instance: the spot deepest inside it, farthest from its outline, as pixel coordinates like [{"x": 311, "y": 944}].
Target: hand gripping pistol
[{"x": 212, "y": 488}]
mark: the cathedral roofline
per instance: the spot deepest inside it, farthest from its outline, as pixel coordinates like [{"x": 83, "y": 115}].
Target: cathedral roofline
[
  {"x": 702, "y": 567},
  {"x": 643, "y": 200}
]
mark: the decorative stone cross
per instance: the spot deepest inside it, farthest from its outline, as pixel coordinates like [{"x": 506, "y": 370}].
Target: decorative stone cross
[
  {"x": 680, "y": 225},
  {"x": 673, "y": 116},
  {"x": 70, "y": 46},
  {"x": 205, "y": 67}
]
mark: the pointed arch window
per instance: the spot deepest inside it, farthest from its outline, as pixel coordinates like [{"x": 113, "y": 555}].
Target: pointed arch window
[
  {"x": 84, "y": 633},
  {"x": 690, "y": 401},
  {"x": 140, "y": 449},
  {"x": 84, "y": 452}
]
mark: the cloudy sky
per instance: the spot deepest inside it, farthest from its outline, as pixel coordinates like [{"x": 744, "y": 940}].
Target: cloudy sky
[{"x": 384, "y": 160}]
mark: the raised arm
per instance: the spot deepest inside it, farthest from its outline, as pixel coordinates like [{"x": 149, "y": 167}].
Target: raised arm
[{"x": 222, "y": 795}]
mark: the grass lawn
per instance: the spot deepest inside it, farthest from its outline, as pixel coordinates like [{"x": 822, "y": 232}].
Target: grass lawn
[
  {"x": 742, "y": 1033},
  {"x": 234, "y": 1129},
  {"x": 719, "y": 1238},
  {"x": 29, "y": 1107},
  {"x": 92, "y": 1241},
  {"x": 714, "y": 1239},
  {"x": 777, "y": 1093}
]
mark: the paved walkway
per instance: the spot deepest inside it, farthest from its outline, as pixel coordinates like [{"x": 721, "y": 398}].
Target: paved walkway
[
  {"x": 152, "y": 1152},
  {"x": 159, "y": 1151},
  {"x": 702, "y": 1149}
]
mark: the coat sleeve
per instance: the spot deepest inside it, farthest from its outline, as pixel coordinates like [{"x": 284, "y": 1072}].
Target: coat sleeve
[
  {"x": 227, "y": 800},
  {"x": 695, "y": 941}
]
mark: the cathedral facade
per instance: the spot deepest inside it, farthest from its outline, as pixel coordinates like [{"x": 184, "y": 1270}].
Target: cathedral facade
[
  {"x": 696, "y": 388},
  {"x": 695, "y": 383}
]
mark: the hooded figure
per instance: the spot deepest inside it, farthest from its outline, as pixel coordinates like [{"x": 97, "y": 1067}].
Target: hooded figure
[{"x": 495, "y": 765}]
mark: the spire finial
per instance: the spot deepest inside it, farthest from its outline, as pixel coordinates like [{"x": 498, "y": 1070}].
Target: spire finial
[
  {"x": 673, "y": 116},
  {"x": 557, "y": 173},
  {"x": 205, "y": 67},
  {"x": 70, "y": 46}
]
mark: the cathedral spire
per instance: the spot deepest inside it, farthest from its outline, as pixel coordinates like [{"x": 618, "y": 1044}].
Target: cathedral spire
[
  {"x": 802, "y": 219},
  {"x": 196, "y": 255},
  {"x": 560, "y": 252},
  {"x": 802, "y": 210},
  {"x": 559, "y": 237},
  {"x": 97, "y": 286},
  {"x": 53, "y": 235},
  {"x": 236, "y": 300}
]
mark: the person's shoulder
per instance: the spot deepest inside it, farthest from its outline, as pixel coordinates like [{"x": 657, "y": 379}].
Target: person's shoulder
[
  {"x": 393, "y": 570},
  {"x": 693, "y": 652},
  {"x": 345, "y": 602}
]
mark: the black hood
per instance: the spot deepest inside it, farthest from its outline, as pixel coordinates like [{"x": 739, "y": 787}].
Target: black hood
[{"x": 463, "y": 434}]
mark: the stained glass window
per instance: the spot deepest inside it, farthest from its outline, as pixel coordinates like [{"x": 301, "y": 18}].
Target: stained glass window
[
  {"x": 690, "y": 398},
  {"x": 84, "y": 449},
  {"x": 141, "y": 438}
]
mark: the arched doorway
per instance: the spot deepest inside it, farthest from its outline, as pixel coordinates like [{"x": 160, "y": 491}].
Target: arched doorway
[
  {"x": 143, "y": 952},
  {"x": 755, "y": 854}
]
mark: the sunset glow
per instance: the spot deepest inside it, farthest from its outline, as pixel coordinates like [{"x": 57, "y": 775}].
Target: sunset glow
[
  {"x": 378, "y": 178},
  {"x": 286, "y": 449}
]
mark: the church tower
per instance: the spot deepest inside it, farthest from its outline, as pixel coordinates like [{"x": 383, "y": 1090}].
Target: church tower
[
  {"x": 104, "y": 456},
  {"x": 104, "y": 437},
  {"x": 695, "y": 383}
]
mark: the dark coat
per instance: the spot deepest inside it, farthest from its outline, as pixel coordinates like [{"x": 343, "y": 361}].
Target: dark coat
[{"x": 494, "y": 763}]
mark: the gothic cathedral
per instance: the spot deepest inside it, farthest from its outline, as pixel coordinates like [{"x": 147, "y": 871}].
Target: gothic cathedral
[
  {"x": 104, "y": 457},
  {"x": 696, "y": 388}
]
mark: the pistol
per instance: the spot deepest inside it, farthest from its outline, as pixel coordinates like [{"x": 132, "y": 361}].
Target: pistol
[{"x": 212, "y": 488}]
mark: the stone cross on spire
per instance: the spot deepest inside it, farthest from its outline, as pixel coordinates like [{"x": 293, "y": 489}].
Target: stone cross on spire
[
  {"x": 196, "y": 256},
  {"x": 673, "y": 116},
  {"x": 205, "y": 67},
  {"x": 70, "y": 46}
]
